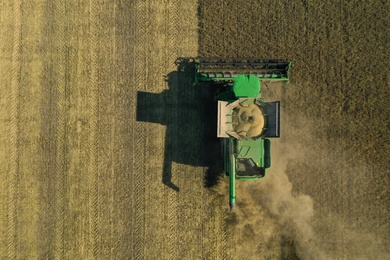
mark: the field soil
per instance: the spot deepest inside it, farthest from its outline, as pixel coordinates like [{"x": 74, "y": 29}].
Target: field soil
[{"x": 108, "y": 151}]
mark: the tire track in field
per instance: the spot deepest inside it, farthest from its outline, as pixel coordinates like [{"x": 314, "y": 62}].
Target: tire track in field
[
  {"x": 122, "y": 130},
  {"x": 53, "y": 146},
  {"x": 157, "y": 28},
  {"x": 14, "y": 134},
  {"x": 61, "y": 160},
  {"x": 113, "y": 129},
  {"x": 93, "y": 169},
  {"x": 224, "y": 226},
  {"x": 138, "y": 139},
  {"x": 173, "y": 214}
]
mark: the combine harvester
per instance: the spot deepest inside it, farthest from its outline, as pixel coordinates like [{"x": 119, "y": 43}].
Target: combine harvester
[{"x": 246, "y": 122}]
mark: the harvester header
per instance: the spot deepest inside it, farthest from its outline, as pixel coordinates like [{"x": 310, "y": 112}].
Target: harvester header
[{"x": 219, "y": 69}]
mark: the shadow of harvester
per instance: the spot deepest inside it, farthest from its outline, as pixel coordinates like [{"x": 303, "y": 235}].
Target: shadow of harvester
[{"x": 190, "y": 116}]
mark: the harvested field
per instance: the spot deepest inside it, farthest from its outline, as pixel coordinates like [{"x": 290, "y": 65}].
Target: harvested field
[{"x": 108, "y": 151}]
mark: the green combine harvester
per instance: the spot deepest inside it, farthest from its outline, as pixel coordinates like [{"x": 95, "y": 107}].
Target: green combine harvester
[{"x": 246, "y": 122}]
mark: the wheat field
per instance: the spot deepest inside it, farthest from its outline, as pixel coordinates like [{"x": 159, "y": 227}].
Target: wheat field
[{"x": 107, "y": 149}]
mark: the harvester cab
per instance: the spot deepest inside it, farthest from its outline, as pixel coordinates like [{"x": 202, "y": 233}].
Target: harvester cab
[{"x": 246, "y": 122}]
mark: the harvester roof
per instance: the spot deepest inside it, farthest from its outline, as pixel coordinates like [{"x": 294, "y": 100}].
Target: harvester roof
[{"x": 246, "y": 86}]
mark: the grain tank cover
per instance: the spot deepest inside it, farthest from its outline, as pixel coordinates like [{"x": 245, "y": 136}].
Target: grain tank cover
[{"x": 246, "y": 86}]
